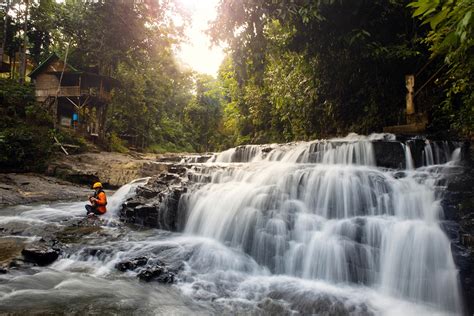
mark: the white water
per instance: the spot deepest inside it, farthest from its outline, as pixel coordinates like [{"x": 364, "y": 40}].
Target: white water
[
  {"x": 310, "y": 227},
  {"x": 340, "y": 220}
]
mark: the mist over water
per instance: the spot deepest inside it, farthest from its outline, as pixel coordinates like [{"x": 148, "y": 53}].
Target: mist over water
[{"x": 310, "y": 227}]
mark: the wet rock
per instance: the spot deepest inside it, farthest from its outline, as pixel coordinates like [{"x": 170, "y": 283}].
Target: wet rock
[
  {"x": 156, "y": 273},
  {"x": 458, "y": 207},
  {"x": 17, "y": 263},
  {"x": 3, "y": 270},
  {"x": 389, "y": 154},
  {"x": 321, "y": 304},
  {"x": 196, "y": 158},
  {"x": 169, "y": 158},
  {"x": 156, "y": 203},
  {"x": 113, "y": 169},
  {"x": 147, "y": 192},
  {"x": 273, "y": 307},
  {"x": 148, "y": 269},
  {"x": 131, "y": 264},
  {"x": 40, "y": 254},
  {"x": 10, "y": 249},
  {"x": 75, "y": 234}
]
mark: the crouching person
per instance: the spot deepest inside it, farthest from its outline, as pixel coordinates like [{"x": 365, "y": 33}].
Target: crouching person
[{"x": 98, "y": 201}]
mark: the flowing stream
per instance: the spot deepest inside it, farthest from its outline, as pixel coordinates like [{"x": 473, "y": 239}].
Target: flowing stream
[{"x": 310, "y": 228}]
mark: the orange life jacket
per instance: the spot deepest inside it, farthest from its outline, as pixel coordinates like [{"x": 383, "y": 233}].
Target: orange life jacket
[{"x": 102, "y": 201}]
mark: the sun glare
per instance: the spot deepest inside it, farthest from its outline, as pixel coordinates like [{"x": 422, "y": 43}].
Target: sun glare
[{"x": 197, "y": 52}]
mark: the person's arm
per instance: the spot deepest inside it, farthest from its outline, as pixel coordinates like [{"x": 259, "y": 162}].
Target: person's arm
[{"x": 101, "y": 199}]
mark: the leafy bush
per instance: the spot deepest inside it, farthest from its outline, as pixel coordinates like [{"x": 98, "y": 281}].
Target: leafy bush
[
  {"x": 67, "y": 136},
  {"x": 25, "y": 129},
  {"x": 115, "y": 143},
  {"x": 169, "y": 148},
  {"x": 25, "y": 148}
]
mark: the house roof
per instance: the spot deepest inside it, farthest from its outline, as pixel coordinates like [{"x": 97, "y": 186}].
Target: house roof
[
  {"x": 71, "y": 70},
  {"x": 45, "y": 63}
]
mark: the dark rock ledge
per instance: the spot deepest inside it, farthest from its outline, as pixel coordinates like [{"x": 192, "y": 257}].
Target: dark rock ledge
[
  {"x": 147, "y": 269},
  {"x": 156, "y": 204}
]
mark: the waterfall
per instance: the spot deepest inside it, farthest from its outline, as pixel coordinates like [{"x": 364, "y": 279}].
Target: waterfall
[
  {"x": 409, "y": 163},
  {"x": 323, "y": 210},
  {"x": 325, "y": 227}
]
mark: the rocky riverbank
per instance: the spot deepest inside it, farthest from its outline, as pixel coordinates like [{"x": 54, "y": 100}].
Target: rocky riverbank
[
  {"x": 112, "y": 169},
  {"x": 56, "y": 261},
  {"x": 29, "y": 188},
  {"x": 25, "y": 247},
  {"x": 70, "y": 177}
]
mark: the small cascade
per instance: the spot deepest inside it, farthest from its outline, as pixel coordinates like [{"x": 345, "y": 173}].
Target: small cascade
[
  {"x": 438, "y": 152},
  {"x": 244, "y": 153},
  {"x": 114, "y": 202},
  {"x": 409, "y": 162}
]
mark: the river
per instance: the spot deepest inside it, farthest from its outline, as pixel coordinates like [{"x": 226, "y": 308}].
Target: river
[{"x": 301, "y": 228}]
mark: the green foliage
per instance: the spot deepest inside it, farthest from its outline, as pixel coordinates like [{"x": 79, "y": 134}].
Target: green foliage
[
  {"x": 451, "y": 37},
  {"x": 16, "y": 101},
  {"x": 306, "y": 69},
  {"x": 203, "y": 114},
  {"x": 169, "y": 148},
  {"x": 116, "y": 144},
  {"x": 25, "y": 133},
  {"x": 25, "y": 148},
  {"x": 296, "y": 69},
  {"x": 70, "y": 137},
  {"x": 150, "y": 103}
]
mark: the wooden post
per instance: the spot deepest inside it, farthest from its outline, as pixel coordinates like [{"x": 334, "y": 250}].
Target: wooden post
[
  {"x": 55, "y": 112},
  {"x": 410, "y": 84}
]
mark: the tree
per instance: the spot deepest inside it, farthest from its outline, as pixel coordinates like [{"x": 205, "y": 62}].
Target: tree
[
  {"x": 451, "y": 37},
  {"x": 320, "y": 67},
  {"x": 203, "y": 114}
]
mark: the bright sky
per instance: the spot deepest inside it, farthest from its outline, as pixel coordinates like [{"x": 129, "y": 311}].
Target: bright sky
[{"x": 197, "y": 52}]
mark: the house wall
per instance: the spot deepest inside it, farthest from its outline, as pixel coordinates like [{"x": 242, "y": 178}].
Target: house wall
[
  {"x": 88, "y": 91},
  {"x": 46, "y": 85}
]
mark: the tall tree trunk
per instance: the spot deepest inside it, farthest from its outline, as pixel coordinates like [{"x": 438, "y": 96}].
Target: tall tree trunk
[
  {"x": 25, "y": 42},
  {"x": 5, "y": 26}
]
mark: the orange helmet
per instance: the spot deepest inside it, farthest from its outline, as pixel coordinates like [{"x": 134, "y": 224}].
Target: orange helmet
[{"x": 97, "y": 185}]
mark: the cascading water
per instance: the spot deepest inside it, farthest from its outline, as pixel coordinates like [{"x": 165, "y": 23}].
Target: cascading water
[
  {"x": 310, "y": 228},
  {"x": 324, "y": 211}
]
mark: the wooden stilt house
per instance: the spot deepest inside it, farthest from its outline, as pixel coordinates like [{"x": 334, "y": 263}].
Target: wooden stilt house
[{"x": 77, "y": 99}]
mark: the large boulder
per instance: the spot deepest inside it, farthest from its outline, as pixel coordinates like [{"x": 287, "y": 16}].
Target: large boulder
[
  {"x": 40, "y": 253},
  {"x": 156, "y": 204}
]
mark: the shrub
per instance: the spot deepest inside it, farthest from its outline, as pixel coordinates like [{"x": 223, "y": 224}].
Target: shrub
[
  {"x": 25, "y": 148},
  {"x": 169, "y": 148},
  {"x": 25, "y": 129},
  {"x": 67, "y": 136},
  {"x": 115, "y": 143}
]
